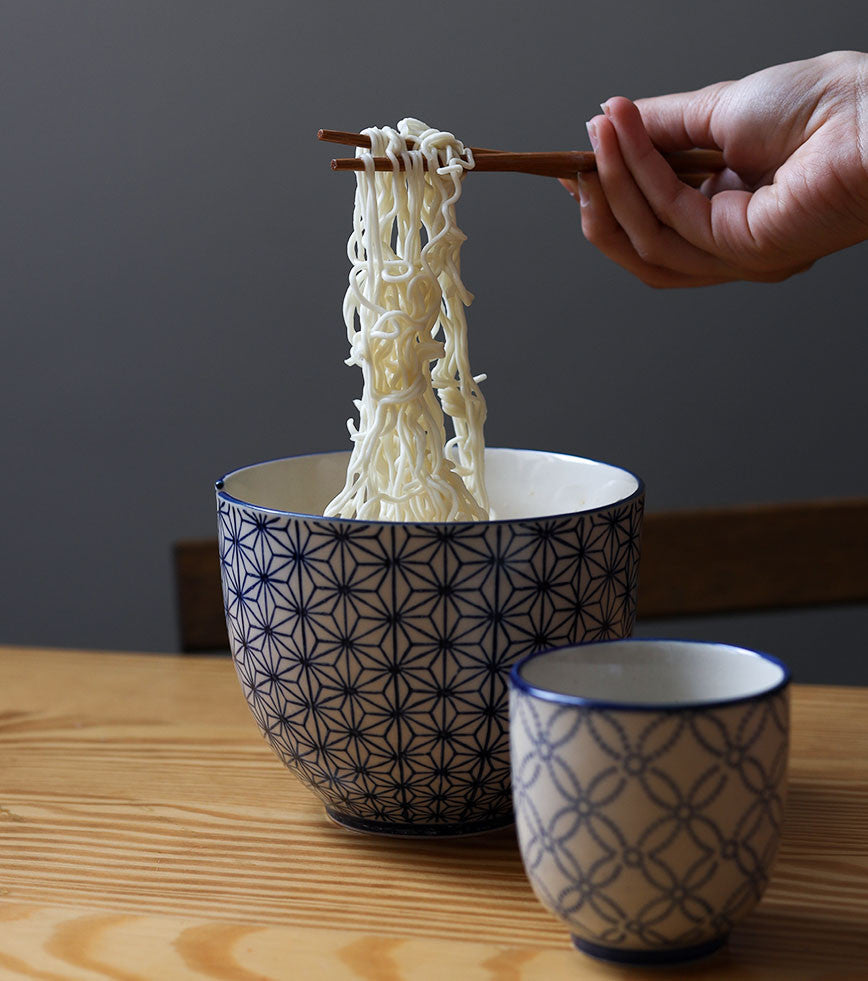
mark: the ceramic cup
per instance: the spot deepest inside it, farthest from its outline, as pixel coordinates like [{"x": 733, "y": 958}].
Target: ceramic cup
[
  {"x": 374, "y": 655},
  {"x": 649, "y": 780}
]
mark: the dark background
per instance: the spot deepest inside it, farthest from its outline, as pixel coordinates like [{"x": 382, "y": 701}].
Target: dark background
[{"x": 173, "y": 265}]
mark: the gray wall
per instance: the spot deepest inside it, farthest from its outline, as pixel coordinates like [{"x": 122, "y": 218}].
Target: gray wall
[{"x": 173, "y": 267}]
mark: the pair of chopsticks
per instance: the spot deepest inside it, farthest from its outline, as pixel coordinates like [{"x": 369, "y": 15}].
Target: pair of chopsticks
[{"x": 691, "y": 166}]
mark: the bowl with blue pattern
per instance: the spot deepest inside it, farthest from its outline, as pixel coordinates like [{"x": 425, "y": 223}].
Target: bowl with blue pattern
[
  {"x": 374, "y": 655},
  {"x": 649, "y": 782}
]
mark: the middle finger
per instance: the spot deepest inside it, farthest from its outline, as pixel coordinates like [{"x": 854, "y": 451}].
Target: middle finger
[{"x": 653, "y": 241}]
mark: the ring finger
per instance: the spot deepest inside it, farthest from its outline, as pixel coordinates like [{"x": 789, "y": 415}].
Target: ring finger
[{"x": 602, "y": 230}]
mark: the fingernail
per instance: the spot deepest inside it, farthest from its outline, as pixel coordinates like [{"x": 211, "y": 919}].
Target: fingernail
[
  {"x": 584, "y": 197},
  {"x": 592, "y": 132},
  {"x": 605, "y": 107}
]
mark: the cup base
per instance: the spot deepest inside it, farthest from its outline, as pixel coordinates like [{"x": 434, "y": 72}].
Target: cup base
[
  {"x": 621, "y": 955},
  {"x": 393, "y": 830}
]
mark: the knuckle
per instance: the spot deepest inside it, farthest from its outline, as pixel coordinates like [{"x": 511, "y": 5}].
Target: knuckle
[
  {"x": 645, "y": 253},
  {"x": 649, "y": 248},
  {"x": 668, "y": 205}
]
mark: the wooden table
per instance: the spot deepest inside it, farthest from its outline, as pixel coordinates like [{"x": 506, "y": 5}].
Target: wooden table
[{"x": 147, "y": 832}]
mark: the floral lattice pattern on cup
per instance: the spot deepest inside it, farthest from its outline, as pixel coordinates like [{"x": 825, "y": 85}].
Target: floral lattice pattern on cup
[{"x": 680, "y": 878}]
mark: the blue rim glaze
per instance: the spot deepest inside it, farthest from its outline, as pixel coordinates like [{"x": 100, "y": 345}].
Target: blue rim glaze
[
  {"x": 223, "y": 496},
  {"x": 518, "y": 683},
  {"x": 620, "y": 955}
]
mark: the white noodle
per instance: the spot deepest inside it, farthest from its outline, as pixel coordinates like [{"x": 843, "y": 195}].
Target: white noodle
[{"x": 404, "y": 290}]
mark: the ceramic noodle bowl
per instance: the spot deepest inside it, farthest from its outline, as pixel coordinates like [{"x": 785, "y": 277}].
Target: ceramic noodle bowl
[
  {"x": 649, "y": 781},
  {"x": 374, "y": 656}
]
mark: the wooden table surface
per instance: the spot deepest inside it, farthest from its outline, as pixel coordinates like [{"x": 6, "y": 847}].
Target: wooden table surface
[{"x": 148, "y": 832}]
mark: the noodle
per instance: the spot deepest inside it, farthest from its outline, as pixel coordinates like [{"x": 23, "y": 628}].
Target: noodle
[{"x": 404, "y": 290}]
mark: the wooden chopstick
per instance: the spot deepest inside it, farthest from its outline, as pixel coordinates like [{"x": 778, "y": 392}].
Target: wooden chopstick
[
  {"x": 566, "y": 163},
  {"x": 697, "y": 164},
  {"x": 359, "y": 139}
]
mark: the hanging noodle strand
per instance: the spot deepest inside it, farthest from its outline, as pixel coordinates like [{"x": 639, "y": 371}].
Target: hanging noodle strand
[{"x": 404, "y": 313}]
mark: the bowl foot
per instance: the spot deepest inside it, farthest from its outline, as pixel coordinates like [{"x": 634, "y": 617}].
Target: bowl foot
[
  {"x": 621, "y": 955},
  {"x": 389, "y": 828}
]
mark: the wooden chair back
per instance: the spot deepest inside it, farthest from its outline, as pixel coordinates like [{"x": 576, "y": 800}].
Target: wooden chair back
[{"x": 724, "y": 560}]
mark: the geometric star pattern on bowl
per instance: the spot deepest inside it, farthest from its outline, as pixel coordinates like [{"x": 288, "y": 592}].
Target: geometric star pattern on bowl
[
  {"x": 374, "y": 656},
  {"x": 669, "y": 837}
]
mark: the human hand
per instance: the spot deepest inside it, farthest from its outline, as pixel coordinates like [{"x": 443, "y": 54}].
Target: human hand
[{"x": 795, "y": 141}]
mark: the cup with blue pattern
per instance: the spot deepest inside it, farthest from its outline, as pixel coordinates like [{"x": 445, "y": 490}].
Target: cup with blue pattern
[{"x": 649, "y": 782}]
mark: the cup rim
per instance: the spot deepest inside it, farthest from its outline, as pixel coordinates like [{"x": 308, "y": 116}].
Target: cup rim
[
  {"x": 223, "y": 495},
  {"x": 518, "y": 683}
]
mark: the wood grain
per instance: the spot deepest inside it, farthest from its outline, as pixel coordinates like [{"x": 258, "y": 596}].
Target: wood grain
[{"x": 146, "y": 831}]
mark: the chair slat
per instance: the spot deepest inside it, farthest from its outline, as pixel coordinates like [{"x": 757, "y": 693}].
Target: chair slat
[
  {"x": 752, "y": 558},
  {"x": 201, "y": 620}
]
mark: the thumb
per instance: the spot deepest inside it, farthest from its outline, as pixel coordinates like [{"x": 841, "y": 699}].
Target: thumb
[{"x": 683, "y": 120}]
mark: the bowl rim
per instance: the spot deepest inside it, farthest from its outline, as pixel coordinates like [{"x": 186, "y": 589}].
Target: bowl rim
[
  {"x": 223, "y": 495},
  {"x": 519, "y": 684}
]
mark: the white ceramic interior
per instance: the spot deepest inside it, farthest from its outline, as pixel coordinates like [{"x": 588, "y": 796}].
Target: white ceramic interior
[
  {"x": 653, "y": 672},
  {"x": 521, "y": 483}
]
